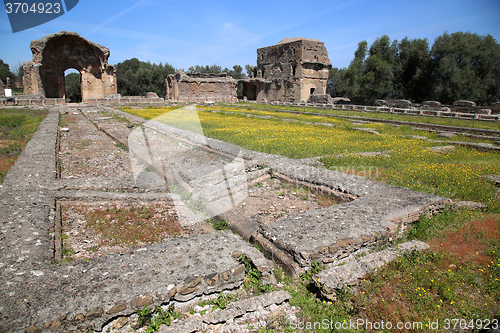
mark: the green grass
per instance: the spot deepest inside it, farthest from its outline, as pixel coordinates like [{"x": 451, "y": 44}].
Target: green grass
[
  {"x": 493, "y": 125},
  {"x": 457, "y": 278},
  {"x": 456, "y": 174},
  {"x": 17, "y": 126}
]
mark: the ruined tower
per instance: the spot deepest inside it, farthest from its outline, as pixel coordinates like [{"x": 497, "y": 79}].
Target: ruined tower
[{"x": 289, "y": 71}]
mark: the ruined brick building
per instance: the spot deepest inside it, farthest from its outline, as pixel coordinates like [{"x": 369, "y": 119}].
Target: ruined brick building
[
  {"x": 197, "y": 87},
  {"x": 290, "y": 71},
  {"x": 294, "y": 70},
  {"x": 55, "y": 53}
]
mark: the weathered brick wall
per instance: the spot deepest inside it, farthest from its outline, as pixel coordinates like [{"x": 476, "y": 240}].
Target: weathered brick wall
[
  {"x": 55, "y": 53},
  {"x": 291, "y": 70},
  {"x": 199, "y": 87}
]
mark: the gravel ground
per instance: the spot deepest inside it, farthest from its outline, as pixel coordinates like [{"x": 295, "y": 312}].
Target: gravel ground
[{"x": 87, "y": 152}]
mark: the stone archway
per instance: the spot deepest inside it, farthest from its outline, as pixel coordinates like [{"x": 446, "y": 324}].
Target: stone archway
[{"x": 53, "y": 54}]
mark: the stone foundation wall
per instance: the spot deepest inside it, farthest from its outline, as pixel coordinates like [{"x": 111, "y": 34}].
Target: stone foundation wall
[{"x": 200, "y": 87}]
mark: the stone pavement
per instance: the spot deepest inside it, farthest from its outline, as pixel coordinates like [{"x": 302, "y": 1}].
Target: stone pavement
[
  {"x": 38, "y": 293},
  {"x": 79, "y": 294}
]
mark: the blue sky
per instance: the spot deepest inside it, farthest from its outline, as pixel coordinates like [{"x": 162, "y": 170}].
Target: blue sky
[{"x": 225, "y": 33}]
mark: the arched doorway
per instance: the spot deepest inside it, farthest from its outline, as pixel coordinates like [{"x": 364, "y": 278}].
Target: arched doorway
[
  {"x": 249, "y": 90},
  {"x": 54, "y": 54},
  {"x": 73, "y": 86}
]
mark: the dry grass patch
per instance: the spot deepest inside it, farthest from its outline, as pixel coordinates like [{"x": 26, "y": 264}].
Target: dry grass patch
[{"x": 93, "y": 229}]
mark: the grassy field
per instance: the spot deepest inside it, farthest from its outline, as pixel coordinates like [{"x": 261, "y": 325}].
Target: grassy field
[
  {"x": 447, "y": 121},
  {"x": 17, "y": 126},
  {"x": 458, "y": 278}
]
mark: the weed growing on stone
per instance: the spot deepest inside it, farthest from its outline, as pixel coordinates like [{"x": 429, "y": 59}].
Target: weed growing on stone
[
  {"x": 221, "y": 302},
  {"x": 316, "y": 267},
  {"x": 253, "y": 279},
  {"x": 153, "y": 319},
  {"x": 122, "y": 146},
  {"x": 218, "y": 224},
  {"x": 314, "y": 309}
]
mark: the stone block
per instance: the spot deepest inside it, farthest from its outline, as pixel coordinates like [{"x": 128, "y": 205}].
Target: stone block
[
  {"x": 140, "y": 302},
  {"x": 94, "y": 313},
  {"x": 212, "y": 279},
  {"x": 349, "y": 273},
  {"x": 118, "y": 307}
]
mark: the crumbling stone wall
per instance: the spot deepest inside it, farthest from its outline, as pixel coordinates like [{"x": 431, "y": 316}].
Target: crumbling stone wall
[
  {"x": 55, "y": 53},
  {"x": 289, "y": 71},
  {"x": 199, "y": 87}
]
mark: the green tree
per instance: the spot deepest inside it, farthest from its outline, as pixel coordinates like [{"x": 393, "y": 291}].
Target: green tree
[
  {"x": 382, "y": 70},
  {"x": 73, "y": 87},
  {"x": 236, "y": 72},
  {"x": 337, "y": 84},
  {"x": 458, "y": 66},
  {"x": 6, "y": 73},
  {"x": 214, "y": 69},
  {"x": 18, "y": 72},
  {"x": 136, "y": 78},
  {"x": 248, "y": 69},
  {"x": 466, "y": 66},
  {"x": 414, "y": 60},
  {"x": 352, "y": 77}
]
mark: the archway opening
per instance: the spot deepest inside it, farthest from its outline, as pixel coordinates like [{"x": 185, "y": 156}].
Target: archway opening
[
  {"x": 249, "y": 91},
  {"x": 72, "y": 86}
]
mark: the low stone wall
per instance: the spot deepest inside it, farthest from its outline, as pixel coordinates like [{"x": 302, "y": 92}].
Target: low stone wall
[
  {"x": 125, "y": 100},
  {"x": 348, "y": 272}
]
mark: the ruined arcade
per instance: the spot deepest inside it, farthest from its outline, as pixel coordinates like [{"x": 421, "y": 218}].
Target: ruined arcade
[{"x": 55, "y": 53}]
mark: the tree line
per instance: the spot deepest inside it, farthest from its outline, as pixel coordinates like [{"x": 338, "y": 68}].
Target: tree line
[{"x": 458, "y": 66}]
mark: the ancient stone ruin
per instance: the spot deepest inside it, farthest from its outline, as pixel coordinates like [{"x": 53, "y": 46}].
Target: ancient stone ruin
[
  {"x": 55, "y": 53},
  {"x": 196, "y": 87},
  {"x": 99, "y": 163},
  {"x": 289, "y": 71}
]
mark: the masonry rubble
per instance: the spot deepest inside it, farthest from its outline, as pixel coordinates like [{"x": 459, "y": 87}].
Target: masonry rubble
[{"x": 349, "y": 271}]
